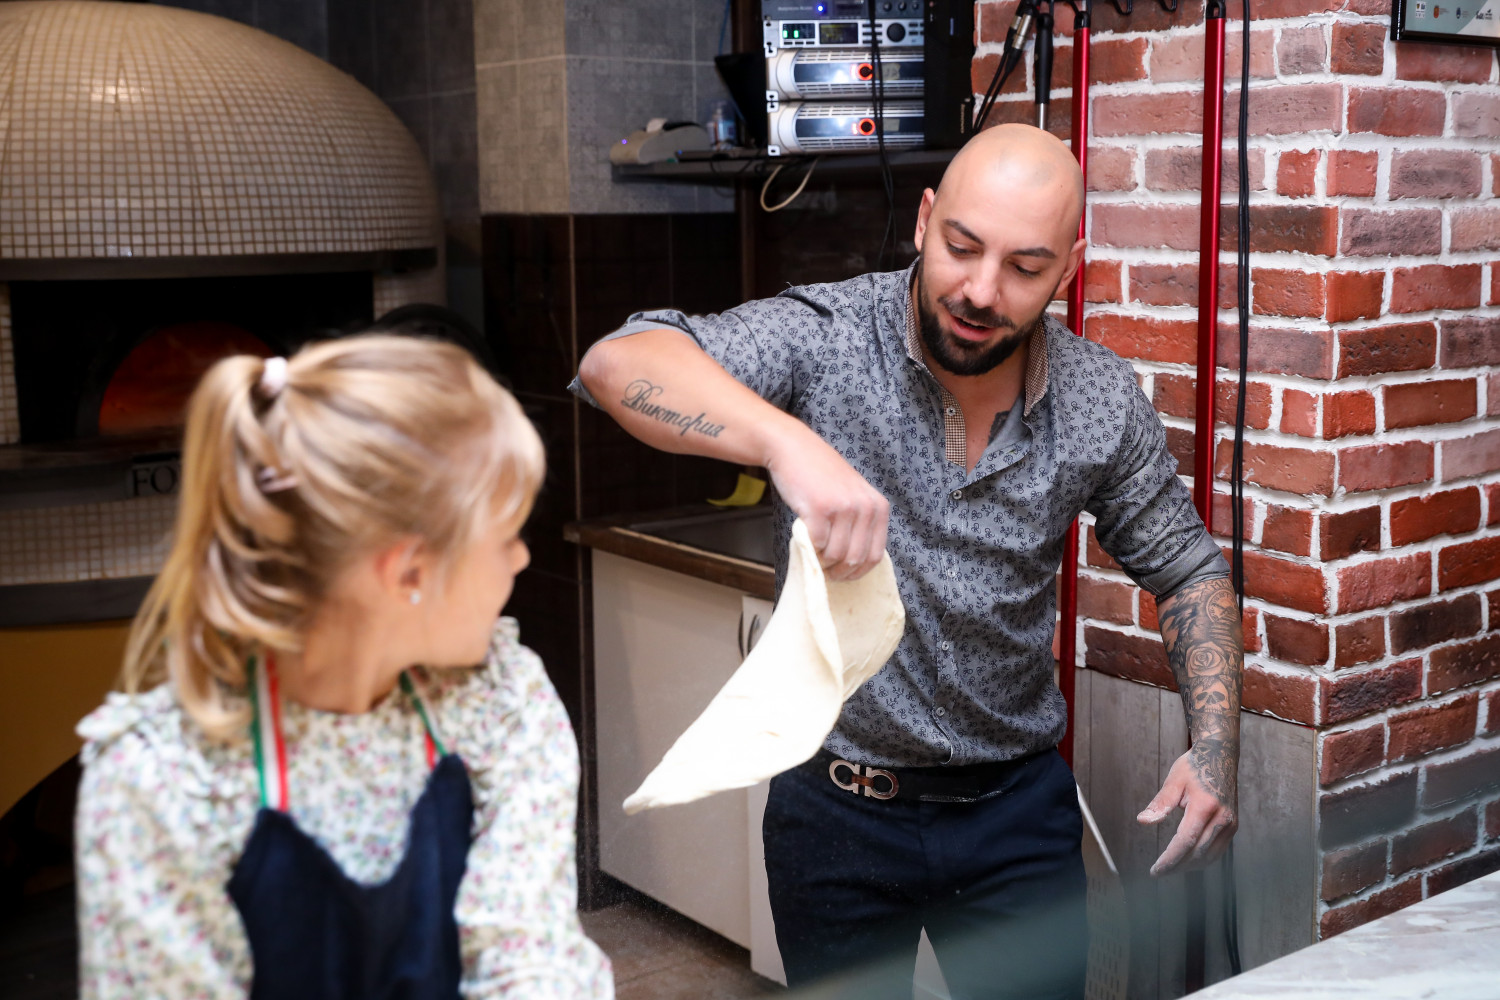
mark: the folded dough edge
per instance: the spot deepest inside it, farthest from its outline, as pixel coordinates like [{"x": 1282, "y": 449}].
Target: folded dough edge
[{"x": 825, "y": 639}]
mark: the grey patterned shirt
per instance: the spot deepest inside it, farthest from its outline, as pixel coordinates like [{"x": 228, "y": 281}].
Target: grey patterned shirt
[{"x": 975, "y": 553}]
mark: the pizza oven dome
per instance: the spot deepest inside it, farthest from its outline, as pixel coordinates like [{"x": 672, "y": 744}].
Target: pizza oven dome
[{"x": 137, "y": 131}]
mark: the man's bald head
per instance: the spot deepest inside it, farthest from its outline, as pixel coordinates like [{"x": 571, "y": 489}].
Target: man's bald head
[
  {"x": 998, "y": 238},
  {"x": 1017, "y": 161}
]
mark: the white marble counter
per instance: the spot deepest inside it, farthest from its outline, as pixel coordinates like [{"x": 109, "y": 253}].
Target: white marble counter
[{"x": 1445, "y": 947}]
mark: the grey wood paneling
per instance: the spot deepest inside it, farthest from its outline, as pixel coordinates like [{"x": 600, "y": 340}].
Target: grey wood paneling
[
  {"x": 1083, "y": 693},
  {"x": 1128, "y": 737},
  {"x": 1171, "y": 928},
  {"x": 1124, "y": 723},
  {"x": 1275, "y": 856}
]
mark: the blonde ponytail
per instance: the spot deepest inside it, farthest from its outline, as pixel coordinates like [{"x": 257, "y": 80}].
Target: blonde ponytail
[{"x": 290, "y": 474}]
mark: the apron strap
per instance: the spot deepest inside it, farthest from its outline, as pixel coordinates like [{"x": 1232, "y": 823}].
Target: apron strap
[
  {"x": 265, "y": 704},
  {"x": 435, "y": 746}
]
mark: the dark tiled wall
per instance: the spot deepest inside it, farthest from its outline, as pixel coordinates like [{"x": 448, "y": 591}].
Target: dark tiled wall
[
  {"x": 834, "y": 230},
  {"x": 553, "y": 285},
  {"x": 561, "y": 82},
  {"x": 304, "y": 23},
  {"x": 418, "y": 56}
]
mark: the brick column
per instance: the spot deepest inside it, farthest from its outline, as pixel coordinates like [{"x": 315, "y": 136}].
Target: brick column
[{"x": 1373, "y": 406}]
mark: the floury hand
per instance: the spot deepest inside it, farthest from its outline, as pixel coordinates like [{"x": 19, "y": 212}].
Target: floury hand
[{"x": 846, "y": 517}]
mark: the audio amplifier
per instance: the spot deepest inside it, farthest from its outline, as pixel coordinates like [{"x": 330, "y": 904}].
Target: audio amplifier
[
  {"x": 825, "y": 127},
  {"x": 830, "y": 74}
]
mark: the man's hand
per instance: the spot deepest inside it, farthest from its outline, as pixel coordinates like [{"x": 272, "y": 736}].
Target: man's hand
[
  {"x": 1210, "y": 816},
  {"x": 846, "y": 517},
  {"x": 1200, "y": 628}
]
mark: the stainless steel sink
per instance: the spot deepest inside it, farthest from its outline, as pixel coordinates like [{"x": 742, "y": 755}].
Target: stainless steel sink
[{"x": 745, "y": 533}]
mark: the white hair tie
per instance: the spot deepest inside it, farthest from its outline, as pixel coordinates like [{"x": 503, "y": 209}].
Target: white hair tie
[{"x": 273, "y": 377}]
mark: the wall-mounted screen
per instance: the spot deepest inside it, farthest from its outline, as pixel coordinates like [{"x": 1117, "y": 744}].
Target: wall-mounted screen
[{"x": 1460, "y": 22}]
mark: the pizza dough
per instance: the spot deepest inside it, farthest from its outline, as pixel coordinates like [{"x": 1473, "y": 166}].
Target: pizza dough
[{"x": 824, "y": 640}]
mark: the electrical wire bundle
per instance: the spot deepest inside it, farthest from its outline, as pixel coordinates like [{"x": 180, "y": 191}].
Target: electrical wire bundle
[
  {"x": 877, "y": 102},
  {"x": 1010, "y": 58}
]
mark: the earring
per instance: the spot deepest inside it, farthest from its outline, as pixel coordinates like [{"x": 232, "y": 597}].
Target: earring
[{"x": 416, "y": 597}]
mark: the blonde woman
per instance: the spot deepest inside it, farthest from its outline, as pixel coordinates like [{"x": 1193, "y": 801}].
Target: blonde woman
[{"x": 334, "y": 772}]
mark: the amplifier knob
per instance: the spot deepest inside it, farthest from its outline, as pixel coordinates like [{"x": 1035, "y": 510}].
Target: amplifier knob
[
  {"x": 866, "y": 126},
  {"x": 865, "y": 71},
  {"x": 895, "y": 33}
]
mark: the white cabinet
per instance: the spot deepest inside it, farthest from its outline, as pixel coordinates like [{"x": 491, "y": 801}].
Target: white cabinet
[
  {"x": 664, "y": 643},
  {"x": 765, "y": 957}
]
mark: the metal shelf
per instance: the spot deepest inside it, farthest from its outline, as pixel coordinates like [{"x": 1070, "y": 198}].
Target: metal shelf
[{"x": 730, "y": 168}]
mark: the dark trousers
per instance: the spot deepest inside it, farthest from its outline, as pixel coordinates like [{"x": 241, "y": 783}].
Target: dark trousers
[{"x": 998, "y": 884}]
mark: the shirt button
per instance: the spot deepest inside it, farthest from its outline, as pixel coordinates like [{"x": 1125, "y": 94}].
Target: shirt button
[
  {"x": 941, "y": 712},
  {"x": 949, "y": 411},
  {"x": 945, "y": 645},
  {"x": 953, "y": 574},
  {"x": 958, "y": 494}
]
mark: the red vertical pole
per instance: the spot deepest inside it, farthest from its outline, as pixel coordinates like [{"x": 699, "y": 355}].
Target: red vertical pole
[
  {"x": 1208, "y": 259},
  {"x": 1068, "y": 592}
]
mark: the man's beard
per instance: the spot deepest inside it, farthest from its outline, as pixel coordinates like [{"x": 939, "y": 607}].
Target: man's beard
[{"x": 959, "y": 357}]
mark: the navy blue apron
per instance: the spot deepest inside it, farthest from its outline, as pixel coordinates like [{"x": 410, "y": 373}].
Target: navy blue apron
[{"x": 315, "y": 933}]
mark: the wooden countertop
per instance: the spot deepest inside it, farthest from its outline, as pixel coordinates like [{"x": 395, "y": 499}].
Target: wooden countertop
[{"x": 614, "y": 535}]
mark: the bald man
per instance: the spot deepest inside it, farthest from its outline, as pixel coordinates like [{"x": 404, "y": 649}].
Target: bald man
[{"x": 938, "y": 412}]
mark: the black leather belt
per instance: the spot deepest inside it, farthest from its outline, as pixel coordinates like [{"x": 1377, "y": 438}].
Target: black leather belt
[{"x": 962, "y": 783}]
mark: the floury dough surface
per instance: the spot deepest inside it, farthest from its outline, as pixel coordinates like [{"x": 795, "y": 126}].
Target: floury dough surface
[{"x": 824, "y": 640}]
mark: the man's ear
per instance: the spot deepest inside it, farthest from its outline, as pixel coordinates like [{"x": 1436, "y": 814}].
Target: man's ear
[
  {"x": 1075, "y": 261},
  {"x": 924, "y": 214}
]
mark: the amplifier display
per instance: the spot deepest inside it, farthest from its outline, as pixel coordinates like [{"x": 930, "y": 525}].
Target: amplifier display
[
  {"x": 816, "y": 127},
  {"x": 824, "y": 74},
  {"x": 893, "y": 32}
]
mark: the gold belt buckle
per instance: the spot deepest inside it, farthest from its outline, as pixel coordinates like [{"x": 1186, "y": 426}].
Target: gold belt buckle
[{"x": 863, "y": 778}]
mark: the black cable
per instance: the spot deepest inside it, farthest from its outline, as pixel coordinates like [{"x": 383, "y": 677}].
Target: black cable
[
  {"x": 1010, "y": 58},
  {"x": 877, "y": 102},
  {"x": 1003, "y": 70},
  {"x": 1242, "y": 227},
  {"x": 1237, "y": 461},
  {"x": 1041, "y": 57}
]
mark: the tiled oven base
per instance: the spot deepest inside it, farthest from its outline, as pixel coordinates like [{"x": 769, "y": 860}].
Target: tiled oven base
[{"x": 94, "y": 541}]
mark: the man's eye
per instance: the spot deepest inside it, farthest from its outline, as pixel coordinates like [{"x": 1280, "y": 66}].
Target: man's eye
[
  {"x": 959, "y": 251},
  {"x": 1029, "y": 274}
]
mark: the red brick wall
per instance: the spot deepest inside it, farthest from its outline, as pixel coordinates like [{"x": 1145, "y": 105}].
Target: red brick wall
[{"x": 1373, "y": 450}]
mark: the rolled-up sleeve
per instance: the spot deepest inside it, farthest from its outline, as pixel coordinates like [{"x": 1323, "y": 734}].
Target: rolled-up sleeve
[
  {"x": 1144, "y": 515},
  {"x": 773, "y": 346}
]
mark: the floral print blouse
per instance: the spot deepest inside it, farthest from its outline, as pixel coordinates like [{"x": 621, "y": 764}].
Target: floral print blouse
[{"x": 164, "y": 814}]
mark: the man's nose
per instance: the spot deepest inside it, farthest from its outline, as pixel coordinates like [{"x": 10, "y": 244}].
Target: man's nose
[{"x": 983, "y": 287}]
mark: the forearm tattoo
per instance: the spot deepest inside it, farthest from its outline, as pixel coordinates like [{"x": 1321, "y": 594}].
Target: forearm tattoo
[
  {"x": 1200, "y": 628},
  {"x": 640, "y": 396}
]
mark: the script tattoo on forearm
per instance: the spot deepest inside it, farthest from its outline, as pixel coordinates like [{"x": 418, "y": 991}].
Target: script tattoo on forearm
[
  {"x": 640, "y": 395},
  {"x": 1200, "y": 627}
]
